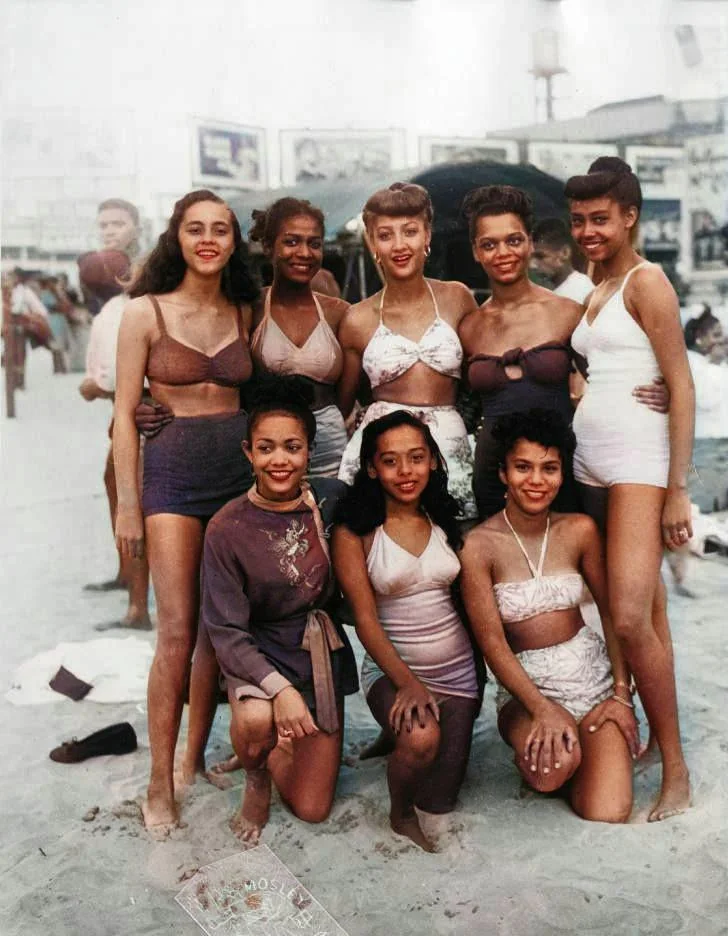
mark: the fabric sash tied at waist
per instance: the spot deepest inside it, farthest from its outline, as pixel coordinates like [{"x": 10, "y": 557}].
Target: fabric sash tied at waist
[{"x": 320, "y": 639}]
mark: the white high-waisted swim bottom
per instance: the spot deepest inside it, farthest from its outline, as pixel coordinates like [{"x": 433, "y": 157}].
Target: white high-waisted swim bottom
[
  {"x": 620, "y": 441},
  {"x": 576, "y": 674}
]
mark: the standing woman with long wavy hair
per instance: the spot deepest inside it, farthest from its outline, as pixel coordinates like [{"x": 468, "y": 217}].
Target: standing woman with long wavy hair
[
  {"x": 632, "y": 463},
  {"x": 186, "y": 332}
]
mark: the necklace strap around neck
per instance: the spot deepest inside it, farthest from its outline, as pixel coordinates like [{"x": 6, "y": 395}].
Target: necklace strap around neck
[{"x": 536, "y": 572}]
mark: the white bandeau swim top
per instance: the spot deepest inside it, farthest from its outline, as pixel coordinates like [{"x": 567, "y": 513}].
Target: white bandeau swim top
[
  {"x": 389, "y": 355},
  {"x": 519, "y": 601}
]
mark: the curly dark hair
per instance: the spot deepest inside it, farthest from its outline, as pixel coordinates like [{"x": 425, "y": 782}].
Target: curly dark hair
[
  {"x": 164, "y": 268},
  {"x": 696, "y": 328},
  {"x": 493, "y": 200},
  {"x": 610, "y": 176},
  {"x": 545, "y": 427},
  {"x": 267, "y": 224},
  {"x": 289, "y": 395},
  {"x": 363, "y": 507}
]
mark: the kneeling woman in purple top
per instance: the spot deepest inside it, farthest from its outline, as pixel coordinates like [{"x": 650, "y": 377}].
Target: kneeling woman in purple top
[{"x": 267, "y": 582}]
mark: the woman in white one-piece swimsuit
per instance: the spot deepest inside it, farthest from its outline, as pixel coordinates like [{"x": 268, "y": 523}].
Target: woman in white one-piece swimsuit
[{"x": 631, "y": 463}]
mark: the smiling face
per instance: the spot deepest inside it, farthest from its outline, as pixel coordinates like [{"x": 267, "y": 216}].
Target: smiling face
[
  {"x": 278, "y": 452},
  {"x": 601, "y": 227},
  {"x": 298, "y": 250},
  {"x": 401, "y": 243},
  {"x": 206, "y": 237},
  {"x": 402, "y": 464},
  {"x": 117, "y": 228},
  {"x": 533, "y": 476},
  {"x": 502, "y": 247}
]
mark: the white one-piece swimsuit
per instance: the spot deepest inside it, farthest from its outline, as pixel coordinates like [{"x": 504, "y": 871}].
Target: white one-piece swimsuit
[{"x": 618, "y": 440}]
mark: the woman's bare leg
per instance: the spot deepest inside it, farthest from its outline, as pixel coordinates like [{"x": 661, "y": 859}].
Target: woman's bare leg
[
  {"x": 253, "y": 736},
  {"x": 634, "y": 555},
  {"x": 204, "y": 682},
  {"x": 408, "y": 764},
  {"x": 601, "y": 788},
  {"x": 514, "y": 725},
  {"x": 304, "y": 770},
  {"x": 174, "y": 546}
]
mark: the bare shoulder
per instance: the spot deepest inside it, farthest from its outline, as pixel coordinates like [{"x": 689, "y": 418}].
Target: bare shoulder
[
  {"x": 566, "y": 311},
  {"x": 140, "y": 314},
  {"x": 648, "y": 277},
  {"x": 334, "y": 309},
  {"x": 359, "y": 321},
  {"x": 480, "y": 543},
  {"x": 455, "y": 298},
  {"x": 473, "y": 323},
  {"x": 578, "y": 527}
]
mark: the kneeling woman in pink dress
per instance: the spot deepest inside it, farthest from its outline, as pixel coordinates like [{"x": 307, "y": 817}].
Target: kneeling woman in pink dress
[
  {"x": 563, "y": 702},
  {"x": 394, "y": 555}
]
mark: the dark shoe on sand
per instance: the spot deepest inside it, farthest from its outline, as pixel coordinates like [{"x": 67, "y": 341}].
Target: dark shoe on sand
[
  {"x": 116, "y": 739},
  {"x": 114, "y": 584}
]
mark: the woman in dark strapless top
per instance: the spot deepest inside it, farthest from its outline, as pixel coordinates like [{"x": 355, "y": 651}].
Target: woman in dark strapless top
[
  {"x": 517, "y": 343},
  {"x": 186, "y": 332}
]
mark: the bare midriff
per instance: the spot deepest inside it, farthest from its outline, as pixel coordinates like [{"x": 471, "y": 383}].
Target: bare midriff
[
  {"x": 544, "y": 630},
  {"x": 201, "y": 399},
  {"x": 419, "y": 386}
]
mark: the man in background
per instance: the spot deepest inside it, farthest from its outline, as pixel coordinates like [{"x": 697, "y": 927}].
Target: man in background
[{"x": 552, "y": 260}]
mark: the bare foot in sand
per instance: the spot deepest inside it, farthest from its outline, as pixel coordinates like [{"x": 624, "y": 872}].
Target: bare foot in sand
[
  {"x": 649, "y": 755},
  {"x": 131, "y": 621},
  {"x": 382, "y": 746},
  {"x": 674, "y": 795},
  {"x": 249, "y": 820},
  {"x": 409, "y": 826},
  {"x": 160, "y": 815},
  {"x": 217, "y": 775}
]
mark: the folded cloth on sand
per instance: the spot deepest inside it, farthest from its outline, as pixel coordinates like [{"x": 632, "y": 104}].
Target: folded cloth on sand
[
  {"x": 70, "y": 685},
  {"x": 117, "y": 668}
]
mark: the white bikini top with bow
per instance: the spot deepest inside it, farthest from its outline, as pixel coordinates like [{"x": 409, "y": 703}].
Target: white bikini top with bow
[{"x": 389, "y": 355}]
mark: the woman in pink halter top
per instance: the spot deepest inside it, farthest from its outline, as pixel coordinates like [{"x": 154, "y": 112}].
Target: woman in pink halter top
[
  {"x": 405, "y": 337},
  {"x": 563, "y": 701},
  {"x": 295, "y": 327}
]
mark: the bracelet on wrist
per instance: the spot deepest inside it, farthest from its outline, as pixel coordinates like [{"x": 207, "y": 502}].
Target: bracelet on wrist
[
  {"x": 623, "y": 701},
  {"x": 630, "y": 687}
]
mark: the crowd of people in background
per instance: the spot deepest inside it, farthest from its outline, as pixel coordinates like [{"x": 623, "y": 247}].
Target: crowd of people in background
[{"x": 284, "y": 464}]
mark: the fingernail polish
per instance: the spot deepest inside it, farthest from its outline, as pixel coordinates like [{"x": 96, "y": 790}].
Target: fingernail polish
[
  {"x": 533, "y": 768},
  {"x": 592, "y": 728},
  {"x": 557, "y": 765},
  {"x": 546, "y": 770}
]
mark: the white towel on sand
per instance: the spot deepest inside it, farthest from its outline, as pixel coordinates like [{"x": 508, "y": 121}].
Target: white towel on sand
[{"x": 116, "y": 668}]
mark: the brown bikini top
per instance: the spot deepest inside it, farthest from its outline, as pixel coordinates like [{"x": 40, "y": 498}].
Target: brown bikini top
[
  {"x": 548, "y": 363},
  {"x": 175, "y": 363}
]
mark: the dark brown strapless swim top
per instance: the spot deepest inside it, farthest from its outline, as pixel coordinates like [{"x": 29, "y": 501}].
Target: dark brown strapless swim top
[
  {"x": 175, "y": 363},
  {"x": 547, "y": 364}
]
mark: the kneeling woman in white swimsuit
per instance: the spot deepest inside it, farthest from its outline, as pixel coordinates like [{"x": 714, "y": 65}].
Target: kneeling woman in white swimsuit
[
  {"x": 395, "y": 561},
  {"x": 406, "y": 336},
  {"x": 563, "y": 700},
  {"x": 631, "y": 462}
]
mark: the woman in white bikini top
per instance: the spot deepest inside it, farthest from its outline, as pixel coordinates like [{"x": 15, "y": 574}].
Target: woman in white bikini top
[{"x": 563, "y": 698}]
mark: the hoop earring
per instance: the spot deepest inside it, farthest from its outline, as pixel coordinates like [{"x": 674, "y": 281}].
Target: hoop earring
[
  {"x": 428, "y": 250},
  {"x": 377, "y": 259}
]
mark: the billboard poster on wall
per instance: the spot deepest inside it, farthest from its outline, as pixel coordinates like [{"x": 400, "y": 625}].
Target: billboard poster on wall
[
  {"x": 707, "y": 201},
  {"x": 335, "y": 155},
  {"x": 436, "y": 150},
  {"x": 228, "y": 155}
]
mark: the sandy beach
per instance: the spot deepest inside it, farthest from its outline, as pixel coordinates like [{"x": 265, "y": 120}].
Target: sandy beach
[{"x": 508, "y": 864}]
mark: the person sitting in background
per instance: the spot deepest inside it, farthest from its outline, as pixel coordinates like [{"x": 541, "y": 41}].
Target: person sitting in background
[{"x": 552, "y": 259}]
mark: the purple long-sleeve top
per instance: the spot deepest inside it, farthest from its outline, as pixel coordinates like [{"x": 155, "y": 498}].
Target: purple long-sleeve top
[{"x": 262, "y": 573}]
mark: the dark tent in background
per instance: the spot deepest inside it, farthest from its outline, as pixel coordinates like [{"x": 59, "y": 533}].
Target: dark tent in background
[{"x": 447, "y": 184}]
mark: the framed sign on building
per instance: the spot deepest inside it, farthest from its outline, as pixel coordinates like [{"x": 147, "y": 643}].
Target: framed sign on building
[
  {"x": 331, "y": 155},
  {"x": 228, "y": 155},
  {"x": 707, "y": 202},
  {"x": 435, "y": 150},
  {"x": 660, "y": 169},
  {"x": 564, "y": 160}
]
